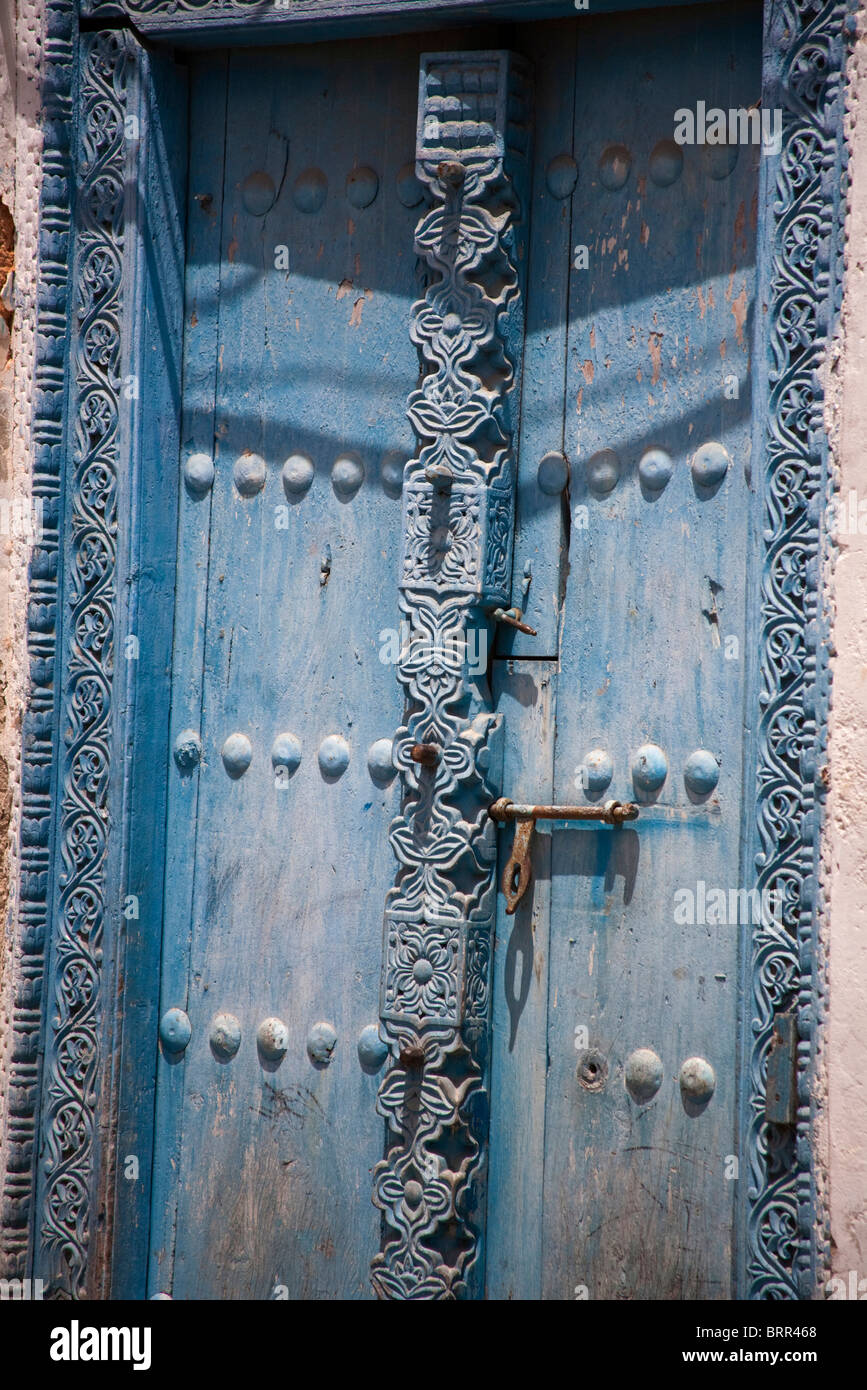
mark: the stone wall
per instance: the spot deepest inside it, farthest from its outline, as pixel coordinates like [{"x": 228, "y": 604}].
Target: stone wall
[{"x": 845, "y": 848}]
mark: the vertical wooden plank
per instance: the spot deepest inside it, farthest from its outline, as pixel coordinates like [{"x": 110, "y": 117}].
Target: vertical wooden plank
[
  {"x": 639, "y": 1194},
  {"x": 540, "y": 514},
  {"x": 201, "y": 334},
  {"x": 525, "y": 695},
  {"x": 147, "y": 502},
  {"x": 524, "y": 692},
  {"x": 272, "y": 1179}
]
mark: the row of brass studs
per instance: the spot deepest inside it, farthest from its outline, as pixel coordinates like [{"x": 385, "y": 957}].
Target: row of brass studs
[{"x": 333, "y": 755}]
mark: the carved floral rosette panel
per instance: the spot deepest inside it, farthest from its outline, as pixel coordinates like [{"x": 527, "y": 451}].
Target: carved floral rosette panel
[{"x": 472, "y": 157}]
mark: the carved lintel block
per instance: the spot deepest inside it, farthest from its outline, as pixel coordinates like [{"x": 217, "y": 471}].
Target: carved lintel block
[{"x": 474, "y": 110}]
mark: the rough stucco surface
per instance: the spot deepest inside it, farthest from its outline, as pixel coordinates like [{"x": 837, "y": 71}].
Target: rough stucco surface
[
  {"x": 20, "y": 148},
  {"x": 846, "y": 832}
]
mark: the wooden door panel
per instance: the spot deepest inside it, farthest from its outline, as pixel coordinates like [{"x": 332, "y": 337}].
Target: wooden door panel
[
  {"x": 637, "y": 1188},
  {"x": 281, "y": 603},
  {"x": 298, "y": 363}
]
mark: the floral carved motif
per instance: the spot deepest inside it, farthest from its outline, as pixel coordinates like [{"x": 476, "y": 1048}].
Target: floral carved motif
[{"x": 458, "y": 504}]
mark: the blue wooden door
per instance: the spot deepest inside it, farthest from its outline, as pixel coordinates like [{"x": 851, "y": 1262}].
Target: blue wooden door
[
  {"x": 300, "y": 279},
  {"x": 615, "y": 1130}
]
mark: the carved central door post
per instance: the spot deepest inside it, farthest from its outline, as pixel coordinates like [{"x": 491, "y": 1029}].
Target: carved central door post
[{"x": 473, "y": 146}]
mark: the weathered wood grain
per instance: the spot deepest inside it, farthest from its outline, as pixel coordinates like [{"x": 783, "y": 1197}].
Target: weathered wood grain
[{"x": 637, "y": 1201}]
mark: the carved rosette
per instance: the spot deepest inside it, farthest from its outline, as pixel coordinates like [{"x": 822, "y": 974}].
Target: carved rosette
[
  {"x": 73, "y": 1060},
  {"x": 472, "y": 156},
  {"x": 805, "y": 49}
]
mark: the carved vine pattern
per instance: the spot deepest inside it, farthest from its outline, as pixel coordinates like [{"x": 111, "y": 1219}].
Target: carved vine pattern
[
  {"x": 805, "y": 56},
  {"x": 192, "y": 8},
  {"x": 73, "y": 1066},
  {"x": 472, "y": 147}
]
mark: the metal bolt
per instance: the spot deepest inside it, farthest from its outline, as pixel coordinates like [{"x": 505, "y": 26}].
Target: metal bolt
[
  {"x": 426, "y": 754},
  {"x": 451, "y": 173}
]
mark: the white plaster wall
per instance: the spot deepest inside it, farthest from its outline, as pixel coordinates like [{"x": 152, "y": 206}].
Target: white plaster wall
[{"x": 845, "y": 1049}]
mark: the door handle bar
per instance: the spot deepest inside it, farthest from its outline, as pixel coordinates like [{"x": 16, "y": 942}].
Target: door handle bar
[{"x": 518, "y": 871}]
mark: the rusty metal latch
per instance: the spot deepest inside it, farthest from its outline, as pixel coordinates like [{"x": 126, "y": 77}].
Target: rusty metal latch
[
  {"x": 514, "y": 617},
  {"x": 518, "y": 871}
]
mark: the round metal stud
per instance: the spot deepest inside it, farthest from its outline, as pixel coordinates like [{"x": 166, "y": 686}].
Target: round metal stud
[
  {"x": 596, "y": 771},
  {"x": 199, "y": 474},
  {"x": 362, "y": 186},
  {"x": 297, "y": 475},
  {"x": 380, "y": 761},
  {"x": 603, "y": 471},
  {"x": 649, "y": 768},
  {"x": 249, "y": 473},
  {"x": 391, "y": 471},
  {"x": 272, "y": 1039},
  {"x": 655, "y": 468},
  {"x": 372, "y": 1051},
  {"x": 347, "y": 475},
  {"x": 409, "y": 189},
  {"x": 237, "y": 755},
  {"x": 258, "y": 193},
  {"x": 286, "y": 752},
  {"x": 321, "y": 1042},
  {"x": 175, "y": 1031},
  {"x": 697, "y": 1081},
  {"x": 310, "y": 190},
  {"x": 561, "y": 176},
  {"x": 666, "y": 163},
  {"x": 187, "y": 750},
  {"x": 225, "y": 1036},
  {"x": 710, "y": 464},
  {"x": 614, "y": 165},
  {"x": 643, "y": 1074},
  {"x": 719, "y": 160},
  {"x": 701, "y": 772},
  {"x": 553, "y": 474},
  {"x": 333, "y": 756}
]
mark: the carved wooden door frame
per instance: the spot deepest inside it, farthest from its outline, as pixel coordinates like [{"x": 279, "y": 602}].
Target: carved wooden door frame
[{"x": 106, "y": 394}]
